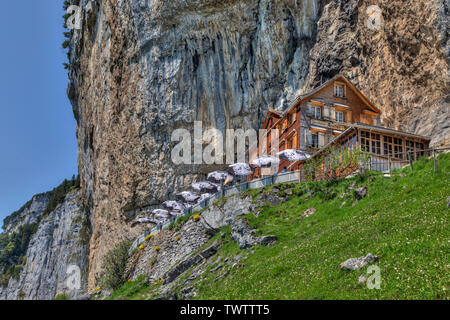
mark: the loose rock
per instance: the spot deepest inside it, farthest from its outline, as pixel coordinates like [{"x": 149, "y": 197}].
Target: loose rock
[{"x": 358, "y": 263}]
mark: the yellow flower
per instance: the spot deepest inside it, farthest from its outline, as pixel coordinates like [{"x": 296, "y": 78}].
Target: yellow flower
[
  {"x": 178, "y": 238},
  {"x": 149, "y": 237},
  {"x": 141, "y": 247},
  {"x": 98, "y": 289},
  {"x": 196, "y": 217},
  {"x": 157, "y": 248},
  {"x": 156, "y": 283},
  {"x": 129, "y": 280}
]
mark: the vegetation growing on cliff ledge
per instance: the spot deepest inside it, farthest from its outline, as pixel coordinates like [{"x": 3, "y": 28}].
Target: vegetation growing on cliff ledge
[{"x": 403, "y": 220}]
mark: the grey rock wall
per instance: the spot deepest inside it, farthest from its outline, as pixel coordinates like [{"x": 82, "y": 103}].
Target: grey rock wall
[{"x": 60, "y": 241}]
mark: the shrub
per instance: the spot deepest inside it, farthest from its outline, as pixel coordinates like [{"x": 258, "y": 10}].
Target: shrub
[
  {"x": 61, "y": 296},
  {"x": 114, "y": 265}
]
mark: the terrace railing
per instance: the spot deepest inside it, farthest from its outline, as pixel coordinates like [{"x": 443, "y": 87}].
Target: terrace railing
[{"x": 375, "y": 163}]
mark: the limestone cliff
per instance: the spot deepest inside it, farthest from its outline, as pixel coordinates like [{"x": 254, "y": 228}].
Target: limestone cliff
[
  {"x": 60, "y": 241},
  {"x": 140, "y": 69}
]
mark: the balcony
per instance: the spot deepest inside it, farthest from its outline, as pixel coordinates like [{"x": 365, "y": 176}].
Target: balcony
[{"x": 329, "y": 123}]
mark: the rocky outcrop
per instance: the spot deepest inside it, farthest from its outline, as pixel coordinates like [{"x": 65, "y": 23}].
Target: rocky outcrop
[
  {"x": 358, "y": 263},
  {"x": 56, "y": 255},
  {"x": 140, "y": 69},
  {"x": 244, "y": 235},
  {"x": 179, "y": 248},
  {"x": 29, "y": 214},
  {"x": 402, "y": 66},
  {"x": 184, "y": 250}
]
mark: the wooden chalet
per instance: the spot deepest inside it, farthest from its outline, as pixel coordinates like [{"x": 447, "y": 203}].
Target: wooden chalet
[{"x": 336, "y": 113}]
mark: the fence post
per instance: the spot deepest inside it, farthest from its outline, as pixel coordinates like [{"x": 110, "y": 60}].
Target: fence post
[
  {"x": 410, "y": 160},
  {"x": 389, "y": 165},
  {"x": 435, "y": 161}
]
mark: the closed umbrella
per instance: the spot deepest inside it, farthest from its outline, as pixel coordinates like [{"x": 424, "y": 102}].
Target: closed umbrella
[
  {"x": 293, "y": 155},
  {"x": 265, "y": 161}
]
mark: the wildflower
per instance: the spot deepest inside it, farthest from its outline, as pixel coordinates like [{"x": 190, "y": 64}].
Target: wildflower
[
  {"x": 196, "y": 217},
  {"x": 178, "y": 238},
  {"x": 98, "y": 289},
  {"x": 149, "y": 237},
  {"x": 157, "y": 248},
  {"x": 156, "y": 283},
  {"x": 141, "y": 247},
  {"x": 129, "y": 280}
]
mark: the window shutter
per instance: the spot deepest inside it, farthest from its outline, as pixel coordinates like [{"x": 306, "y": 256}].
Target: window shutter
[
  {"x": 321, "y": 139},
  {"x": 326, "y": 112},
  {"x": 308, "y": 138},
  {"x": 333, "y": 114},
  {"x": 348, "y": 117},
  {"x": 309, "y": 109}
]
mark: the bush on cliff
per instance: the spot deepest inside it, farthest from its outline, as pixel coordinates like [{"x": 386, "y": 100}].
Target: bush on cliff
[{"x": 114, "y": 265}]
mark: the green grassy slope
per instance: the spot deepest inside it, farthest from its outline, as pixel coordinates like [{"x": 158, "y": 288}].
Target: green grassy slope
[{"x": 403, "y": 220}]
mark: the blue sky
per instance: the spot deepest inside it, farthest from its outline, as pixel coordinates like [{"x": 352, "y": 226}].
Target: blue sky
[{"x": 37, "y": 129}]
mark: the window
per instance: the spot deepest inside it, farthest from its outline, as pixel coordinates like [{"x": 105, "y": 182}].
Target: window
[
  {"x": 339, "y": 116},
  {"x": 398, "y": 148},
  {"x": 387, "y": 145},
  {"x": 371, "y": 142},
  {"x": 317, "y": 112},
  {"x": 339, "y": 90},
  {"x": 315, "y": 140},
  {"x": 411, "y": 146}
]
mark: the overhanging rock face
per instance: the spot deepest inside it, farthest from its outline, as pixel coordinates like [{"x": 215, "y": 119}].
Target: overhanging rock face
[{"x": 141, "y": 69}]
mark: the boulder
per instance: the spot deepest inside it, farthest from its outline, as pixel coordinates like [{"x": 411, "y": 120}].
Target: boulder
[
  {"x": 243, "y": 235},
  {"x": 309, "y": 212},
  {"x": 361, "y": 192},
  {"x": 272, "y": 199},
  {"x": 358, "y": 263},
  {"x": 266, "y": 240}
]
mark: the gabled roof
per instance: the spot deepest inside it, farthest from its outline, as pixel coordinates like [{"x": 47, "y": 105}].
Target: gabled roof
[
  {"x": 342, "y": 78},
  {"x": 299, "y": 99},
  {"x": 270, "y": 114}
]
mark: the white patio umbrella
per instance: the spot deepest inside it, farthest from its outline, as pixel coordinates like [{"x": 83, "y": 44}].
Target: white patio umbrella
[
  {"x": 161, "y": 214},
  {"x": 240, "y": 169},
  {"x": 173, "y": 205},
  {"x": 147, "y": 220},
  {"x": 188, "y": 196},
  {"x": 220, "y": 177},
  {"x": 293, "y": 155},
  {"x": 205, "y": 186},
  {"x": 265, "y": 161},
  {"x": 204, "y": 196}
]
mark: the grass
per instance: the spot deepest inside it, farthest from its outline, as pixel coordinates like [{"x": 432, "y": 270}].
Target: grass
[
  {"x": 131, "y": 290},
  {"x": 403, "y": 220}
]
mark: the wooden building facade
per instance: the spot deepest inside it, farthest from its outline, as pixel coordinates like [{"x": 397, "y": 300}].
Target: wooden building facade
[{"x": 335, "y": 113}]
